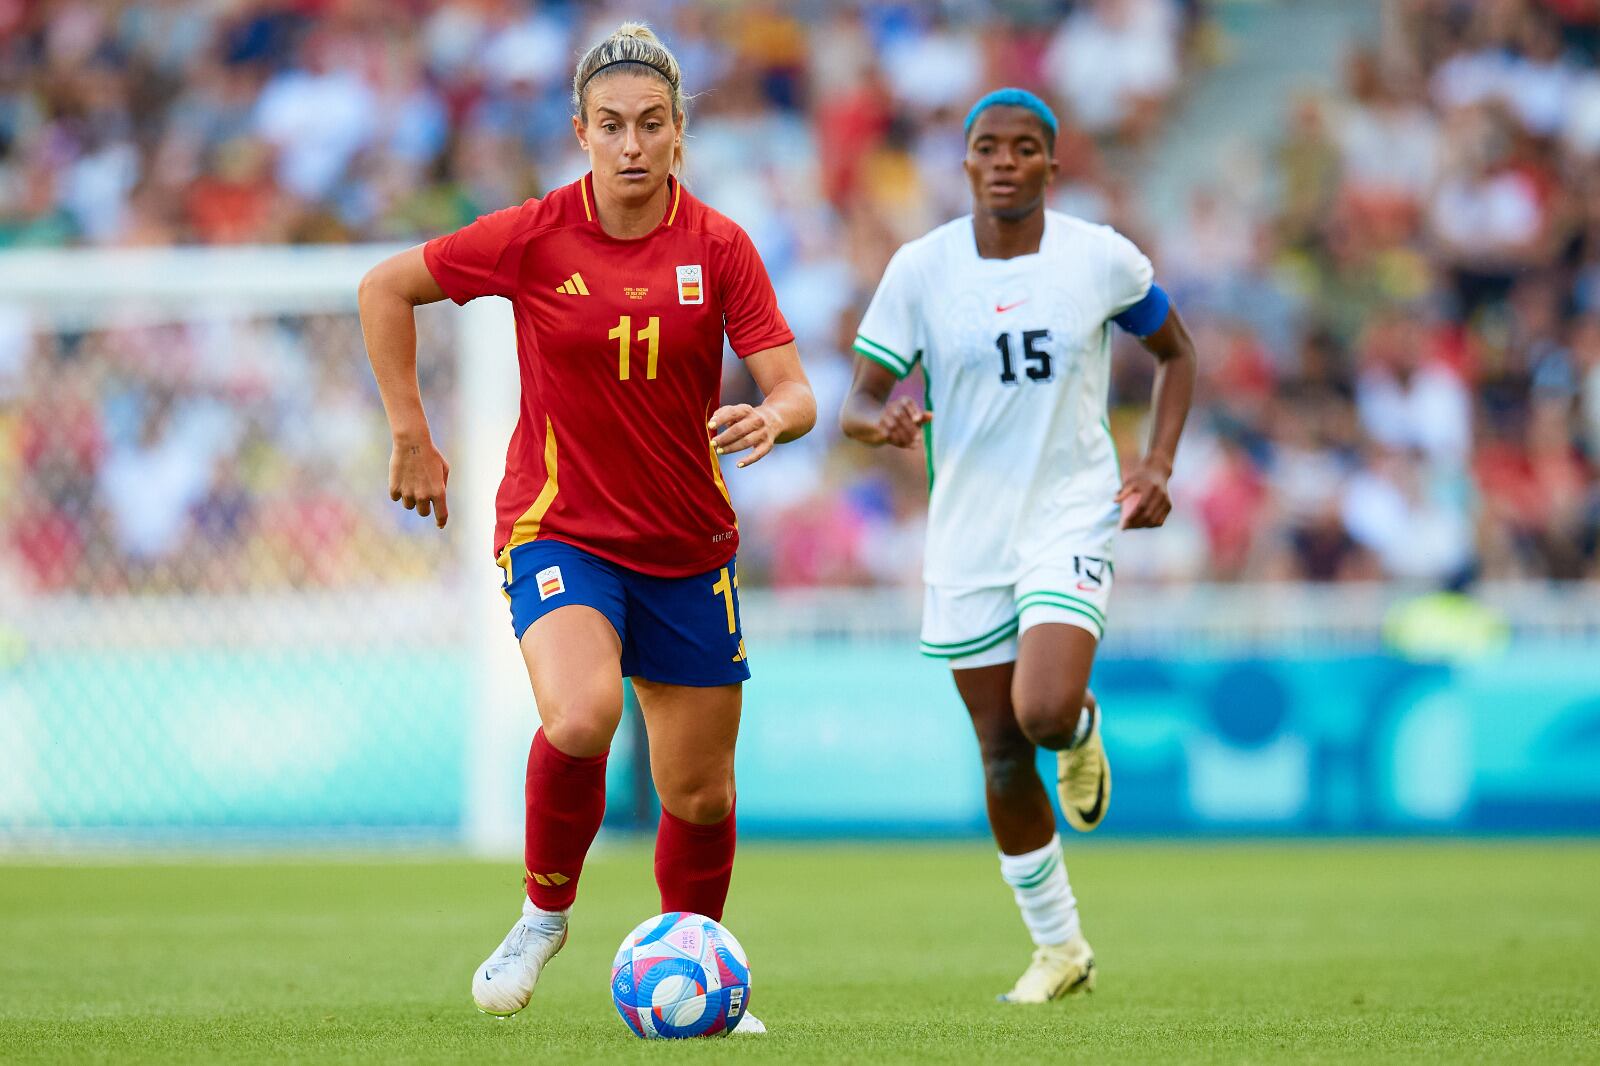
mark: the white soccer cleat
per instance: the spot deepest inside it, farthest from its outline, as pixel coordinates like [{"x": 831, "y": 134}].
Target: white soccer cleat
[
  {"x": 504, "y": 983},
  {"x": 749, "y": 1025},
  {"x": 1056, "y": 970},
  {"x": 1083, "y": 780}
]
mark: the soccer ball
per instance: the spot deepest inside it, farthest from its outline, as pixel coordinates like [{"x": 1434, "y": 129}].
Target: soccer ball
[{"x": 680, "y": 975}]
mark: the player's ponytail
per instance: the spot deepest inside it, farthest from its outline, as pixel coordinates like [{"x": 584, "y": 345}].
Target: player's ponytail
[{"x": 633, "y": 47}]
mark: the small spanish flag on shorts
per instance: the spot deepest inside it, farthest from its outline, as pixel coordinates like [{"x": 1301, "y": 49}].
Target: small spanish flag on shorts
[{"x": 550, "y": 583}]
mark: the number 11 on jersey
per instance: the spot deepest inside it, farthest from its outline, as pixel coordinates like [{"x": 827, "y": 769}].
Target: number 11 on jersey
[{"x": 623, "y": 334}]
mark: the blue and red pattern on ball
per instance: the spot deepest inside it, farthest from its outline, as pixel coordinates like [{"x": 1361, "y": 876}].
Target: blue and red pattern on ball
[
  {"x": 622, "y": 988},
  {"x": 729, "y": 969},
  {"x": 649, "y": 973},
  {"x": 663, "y": 925},
  {"x": 630, "y": 1014},
  {"x": 674, "y": 949},
  {"x": 693, "y": 978}
]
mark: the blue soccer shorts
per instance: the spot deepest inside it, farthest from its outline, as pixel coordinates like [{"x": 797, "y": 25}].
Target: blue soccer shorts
[{"x": 675, "y": 630}]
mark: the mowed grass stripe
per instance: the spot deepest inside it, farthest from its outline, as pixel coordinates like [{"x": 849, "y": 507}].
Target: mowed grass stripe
[{"x": 1389, "y": 952}]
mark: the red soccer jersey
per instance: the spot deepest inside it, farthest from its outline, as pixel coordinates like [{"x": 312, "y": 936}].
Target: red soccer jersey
[{"x": 620, "y": 348}]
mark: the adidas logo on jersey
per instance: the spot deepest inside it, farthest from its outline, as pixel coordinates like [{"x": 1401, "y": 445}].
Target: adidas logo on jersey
[{"x": 573, "y": 286}]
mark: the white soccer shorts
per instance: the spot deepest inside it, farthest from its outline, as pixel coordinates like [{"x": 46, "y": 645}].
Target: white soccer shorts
[{"x": 982, "y": 626}]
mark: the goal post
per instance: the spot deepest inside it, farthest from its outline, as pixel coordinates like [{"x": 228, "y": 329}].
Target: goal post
[
  {"x": 502, "y": 708},
  {"x": 276, "y": 650}
]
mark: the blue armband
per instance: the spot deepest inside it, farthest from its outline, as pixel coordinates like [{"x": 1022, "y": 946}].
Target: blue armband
[{"x": 1146, "y": 316}]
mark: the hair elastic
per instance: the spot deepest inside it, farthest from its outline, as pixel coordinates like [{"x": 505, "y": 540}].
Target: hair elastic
[{"x": 618, "y": 63}]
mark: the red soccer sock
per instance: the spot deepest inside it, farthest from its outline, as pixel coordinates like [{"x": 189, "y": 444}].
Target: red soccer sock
[
  {"x": 566, "y": 802},
  {"x": 694, "y": 864}
]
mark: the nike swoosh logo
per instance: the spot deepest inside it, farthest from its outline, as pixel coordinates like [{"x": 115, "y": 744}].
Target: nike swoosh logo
[
  {"x": 1002, "y": 309},
  {"x": 1081, "y": 980},
  {"x": 1092, "y": 815}
]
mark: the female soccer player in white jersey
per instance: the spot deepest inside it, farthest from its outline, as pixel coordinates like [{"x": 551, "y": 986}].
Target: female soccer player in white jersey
[{"x": 1009, "y": 313}]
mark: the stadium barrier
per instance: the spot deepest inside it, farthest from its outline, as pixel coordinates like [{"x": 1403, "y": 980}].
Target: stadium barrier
[{"x": 847, "y": 730}]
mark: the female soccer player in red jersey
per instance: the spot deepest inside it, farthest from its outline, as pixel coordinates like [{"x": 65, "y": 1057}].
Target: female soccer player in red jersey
[{"x": 615, "y": 530}]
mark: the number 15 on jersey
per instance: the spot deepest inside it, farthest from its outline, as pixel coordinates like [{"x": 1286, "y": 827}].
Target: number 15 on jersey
[{"x": 1040, "y": 365}]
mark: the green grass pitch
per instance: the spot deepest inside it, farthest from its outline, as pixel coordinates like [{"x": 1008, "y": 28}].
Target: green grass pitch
[{"x": 1265, "y": 952}]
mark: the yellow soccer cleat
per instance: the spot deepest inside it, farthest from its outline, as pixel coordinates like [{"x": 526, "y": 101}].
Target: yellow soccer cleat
[
  {"x": 1056, "y": 970},
  {"x": 1083, "y": 780}
]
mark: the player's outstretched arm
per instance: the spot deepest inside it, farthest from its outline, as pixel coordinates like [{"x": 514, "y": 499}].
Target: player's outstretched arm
[
  {"x": 388, "y": 297},
  {"x": 788, "y": 409},
  {"x": 1144, "y": 498},
  {"x": 869, "y": 417}
]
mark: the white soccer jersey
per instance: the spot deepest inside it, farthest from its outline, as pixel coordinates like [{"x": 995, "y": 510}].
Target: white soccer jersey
[{"x": 1016, "y": 353}]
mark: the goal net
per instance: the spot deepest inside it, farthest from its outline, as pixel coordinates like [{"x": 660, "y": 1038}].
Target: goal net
[{"x": 213, "y": 622}]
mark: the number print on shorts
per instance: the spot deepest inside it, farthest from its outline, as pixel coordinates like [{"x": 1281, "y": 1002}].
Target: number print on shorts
[
  {"x": 1091, "y": 571},
  {"x": 724, "y": 588}
]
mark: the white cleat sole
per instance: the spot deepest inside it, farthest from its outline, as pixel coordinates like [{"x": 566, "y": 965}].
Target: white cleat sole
[{"x": 1084, "y": 984}]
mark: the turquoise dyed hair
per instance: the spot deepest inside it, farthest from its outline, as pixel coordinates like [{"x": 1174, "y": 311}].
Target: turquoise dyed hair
[{"x": 1014, "y": 98}]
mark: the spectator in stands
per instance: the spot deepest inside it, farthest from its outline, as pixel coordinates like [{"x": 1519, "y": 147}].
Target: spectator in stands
[
  {"x": 1401, "y": 342},
  {"x": 1114, "y": 62},
  {"x": 1408, "y": 401}
]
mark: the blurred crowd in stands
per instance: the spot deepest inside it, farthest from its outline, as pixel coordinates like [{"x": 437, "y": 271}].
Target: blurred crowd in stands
[{"x": 1396, "y": 302}]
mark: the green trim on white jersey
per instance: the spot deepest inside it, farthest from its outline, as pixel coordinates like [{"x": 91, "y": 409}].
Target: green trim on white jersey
[{"x": 890, "y": 360}]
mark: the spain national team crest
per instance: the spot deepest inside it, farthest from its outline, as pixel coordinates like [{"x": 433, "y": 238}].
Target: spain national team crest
[{"x": 690, "y": 287}]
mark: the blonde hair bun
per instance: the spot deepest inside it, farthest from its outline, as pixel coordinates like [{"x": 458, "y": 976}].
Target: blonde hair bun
[{"x": 636, "y": 29}]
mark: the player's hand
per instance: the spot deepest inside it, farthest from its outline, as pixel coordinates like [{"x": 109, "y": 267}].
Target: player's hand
[
  {"x": 418, "y": 474},
  {"x": 739, "y": 426},
  {"x": 901, "y": 423},
  {"x": 1144, "y": 499}
]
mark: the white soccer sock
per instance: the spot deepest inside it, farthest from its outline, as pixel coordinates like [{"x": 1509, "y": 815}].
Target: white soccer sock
[
  {"x": 1044, "y": 896},
  {"x": 1081, "y": 731}
]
